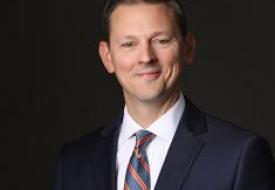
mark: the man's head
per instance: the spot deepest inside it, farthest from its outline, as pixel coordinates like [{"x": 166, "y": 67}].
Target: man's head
[
  {"x": 175, "y": 5},
  {"x": 146, "y": 49}
]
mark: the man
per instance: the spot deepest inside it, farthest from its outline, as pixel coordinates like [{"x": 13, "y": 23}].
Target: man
[{"x": 161, "y": 141}]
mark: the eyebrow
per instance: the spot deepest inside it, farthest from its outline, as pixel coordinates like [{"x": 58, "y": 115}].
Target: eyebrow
[
  {"x": 161, "y": 33},
  {"x": 152, "y": 35},
  {"x": 129, "y": 37}
]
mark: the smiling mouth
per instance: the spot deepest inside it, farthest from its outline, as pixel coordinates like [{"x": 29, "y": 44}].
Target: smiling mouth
[{"x": 149, "y": 75}]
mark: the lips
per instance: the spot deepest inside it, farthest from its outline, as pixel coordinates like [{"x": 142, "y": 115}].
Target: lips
[{"x": 149, "y": 74}]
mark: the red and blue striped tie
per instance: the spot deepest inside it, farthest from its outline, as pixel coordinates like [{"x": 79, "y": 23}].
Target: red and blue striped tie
[{"x": 138, "y": 172}]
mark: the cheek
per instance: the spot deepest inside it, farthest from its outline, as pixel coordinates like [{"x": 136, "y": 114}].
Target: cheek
[
  {"x": 124, "y": 69},
  {"x": 171, "y": 63},
  {"x": 170, "y": 55},
  {"x": 122, "y": 62},
  {"x": 169, "y": 59}
]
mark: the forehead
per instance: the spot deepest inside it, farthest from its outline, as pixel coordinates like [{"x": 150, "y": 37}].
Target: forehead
[{"x": 142, "y": 17}]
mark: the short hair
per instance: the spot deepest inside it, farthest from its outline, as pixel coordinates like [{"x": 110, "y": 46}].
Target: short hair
[{"x": 110, "y": 5}]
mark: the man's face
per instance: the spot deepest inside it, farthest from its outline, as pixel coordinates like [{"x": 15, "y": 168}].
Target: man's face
[{"x": 146, "y": 51}]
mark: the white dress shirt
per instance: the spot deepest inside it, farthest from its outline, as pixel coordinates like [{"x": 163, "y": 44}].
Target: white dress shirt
[{"x": 164, "y": 128}]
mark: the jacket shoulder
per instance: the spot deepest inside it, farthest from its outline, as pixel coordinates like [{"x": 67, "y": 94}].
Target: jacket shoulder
[
  {"x": 222, "y": 132},
  {"x": 83, "y": 145}
]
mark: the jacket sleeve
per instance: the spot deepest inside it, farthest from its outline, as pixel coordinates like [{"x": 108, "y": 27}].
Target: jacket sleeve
[
  {"x": 58, "y": 181},
  {"x": 255, "y": 170}
]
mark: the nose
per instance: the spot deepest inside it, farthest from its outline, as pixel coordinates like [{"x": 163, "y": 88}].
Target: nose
[{"x": 147, "y": 54}]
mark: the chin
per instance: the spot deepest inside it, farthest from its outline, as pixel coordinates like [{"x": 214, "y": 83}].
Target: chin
[{"x": 149, "y": 96}]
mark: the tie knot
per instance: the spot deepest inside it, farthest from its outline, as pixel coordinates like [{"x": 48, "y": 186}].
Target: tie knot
[{"x": 144, "y": 137}]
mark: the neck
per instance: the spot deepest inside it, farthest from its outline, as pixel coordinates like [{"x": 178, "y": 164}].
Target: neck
[{"x": 145, "y": 113}]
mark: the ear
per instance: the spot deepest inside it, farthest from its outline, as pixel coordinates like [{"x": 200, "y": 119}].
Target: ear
[
  {"x": 105, "y": 55},
  {"x": 189, "y": 46}
]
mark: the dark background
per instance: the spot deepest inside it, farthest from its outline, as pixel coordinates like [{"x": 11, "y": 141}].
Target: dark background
[{"x": 54, "y": 89}]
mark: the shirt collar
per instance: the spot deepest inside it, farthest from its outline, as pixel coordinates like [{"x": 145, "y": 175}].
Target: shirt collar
[{"x": 164, "y": 127}]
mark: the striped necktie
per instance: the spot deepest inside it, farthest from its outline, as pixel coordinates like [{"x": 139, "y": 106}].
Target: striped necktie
[{"x": 138, "y": 171}]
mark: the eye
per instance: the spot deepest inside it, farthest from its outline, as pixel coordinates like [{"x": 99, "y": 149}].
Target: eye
[
  {"x": 128, "y": 44},
  {"x": 162, "y": 42}
]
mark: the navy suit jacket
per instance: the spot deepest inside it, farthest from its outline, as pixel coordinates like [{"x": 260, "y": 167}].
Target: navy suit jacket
[{"x": 206, "y": 154}]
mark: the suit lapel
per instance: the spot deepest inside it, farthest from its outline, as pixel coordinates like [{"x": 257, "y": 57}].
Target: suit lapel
[
  {"x": 105, "y": 157},
  {"x": 183, "y": 151}
]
